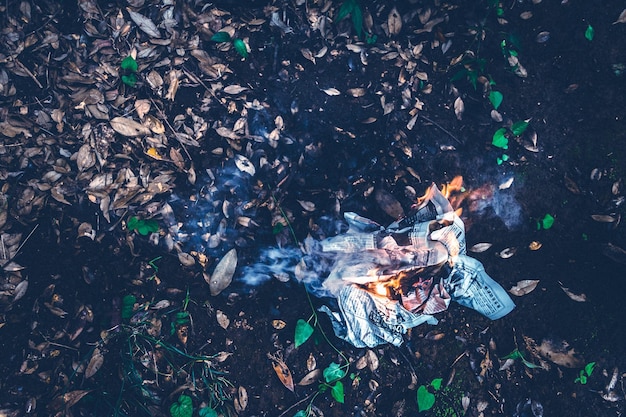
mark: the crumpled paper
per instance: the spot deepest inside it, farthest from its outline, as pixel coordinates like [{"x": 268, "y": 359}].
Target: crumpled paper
[{"x": 387, "y": 280}]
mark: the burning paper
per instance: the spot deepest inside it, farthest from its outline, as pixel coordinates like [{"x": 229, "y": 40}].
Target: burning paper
[{"x": 387, "y": 280}]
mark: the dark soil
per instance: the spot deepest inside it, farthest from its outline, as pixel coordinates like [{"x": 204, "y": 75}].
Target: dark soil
[{"x": 574, "y": 97}]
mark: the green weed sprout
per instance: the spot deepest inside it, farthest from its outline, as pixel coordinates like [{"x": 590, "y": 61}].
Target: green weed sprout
[
  {"x": 238, "y": 44},
  {"x": 353, "y": 9},
  {"x": 426, "y": 394},
  {"x": 585, "y": 373},
  {"x": 143, "y": 226},
  {"x": 129, "y": 68},
  {"x": 517, "y": 354}
]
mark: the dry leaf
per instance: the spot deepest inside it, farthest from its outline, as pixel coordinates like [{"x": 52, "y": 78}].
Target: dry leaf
[
  {"x": 282, "y": 371},
  {"x": 306, "y": 52},
  {"x": 307, "y": 205},
  {"x": 222, "y": 319},
  {"x": 507, "y": 253},
  {"x": 356, "y": 92},
  {"x": 95, "y": 363},
  {"x": 244, "y": 164},
  {"x": 310, "y": 378},
  {"x": 480, "y": 247},
  {"x": 234, "y": 89},
  {"x": 389, "y": 204},
  {"x": 142, "y": 107},
  {"x": 332, "y": 91},
  {"x": 223, "y": 273},
  {"x": 560, "y": 353},
  {"x": 394, "y": 22},
  {"x": 603, "y": 218},
  {"x": 581, "y": 298},
  {"x": 524, "y": 287},
  {"x": 621, "y": 18},
  {"x": 241, "y": 402},
  {"x": 459, "y": 108},
  {"x": 128, "y": 127},
  {"x": 186, "y": 259},
  {"x": 311, "y": 363},
  {"x": 144, "y": 24},
  {"x": 85, "y": 158}
]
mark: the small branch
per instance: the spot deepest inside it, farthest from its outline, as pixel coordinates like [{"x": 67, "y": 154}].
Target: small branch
[{"x": 442, "y": 128}]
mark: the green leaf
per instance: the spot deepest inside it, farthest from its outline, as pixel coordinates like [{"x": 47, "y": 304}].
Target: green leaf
[
  {"x": 589, "y": 33},
  {"x": 148, "y": 226},
  {"x": 357, "y": 20},
  {"x": 436, "y": 383},
  {"x": 425, "y": 399},
  {"x": 183, "y": 407},
  {"x": 240, "y": 47},
  {"x": 301, "y": 413},
  {"x": 516, "y": 354},
  {"x": 547, "y": 221},
  {"x": 495, "y": 97},
  {"x": 333, "y": 372},
  {"x": 589, "y": 368},
  {"x": 220, "y": 37},
  {"x": 129, "y": 64},
  {"x": 128, "y": 304},
  {"x": 337, "y": 392},
  {"x": 303, "y": 331},
  {"x": 345, "y": 9},
  {"x": 130, "y": 79},
  {"x": 519, "y": 127},
  {"x": 207, "y": 412},
  {"x": 133, "y": 223},
  {"x": 499, "y": 139}
]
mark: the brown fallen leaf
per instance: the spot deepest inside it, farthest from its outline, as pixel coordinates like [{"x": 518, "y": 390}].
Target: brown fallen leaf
[
  {"x": 223, "y": 273},
  {"x": 241, "y": 401},
  {"x": 128, "y": 127},
  {"x": 234, "y": 89},
  {"x": 621, "y": 18},
  {"x": 310, "y": 378},
  {"x": 222, "y": 319},
  {"x": 95, "y": 363},
  {"x": 394, "y": 22},
  {"x": 480, "y": 247},
  {"x": 524, "y": 287},
  {"x": 581, "y": 298},
  {"x": 282, "y": 371},
  {"x": 145, "y": 24},
  {"x": 332, "y": 91},
  {"x": 459, "y": 108},
  {"x": 560, "y": 353},
  {"x": 67, "y": 400}
]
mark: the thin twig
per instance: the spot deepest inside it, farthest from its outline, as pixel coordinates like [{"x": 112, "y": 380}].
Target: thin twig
[
  {"x": 305, "y": 399},
  {"x": 442, "y": 128},
  {"x": 21, "y": 245}
]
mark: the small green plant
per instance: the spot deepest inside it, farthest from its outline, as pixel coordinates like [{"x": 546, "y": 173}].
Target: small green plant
[
  {"x": 129, "y": 68},
  {"x": 517, "y": 354},
  {"x": 353, "y": 9},
  {"x": 546, "y": 222},
  {"x": 472, "y": 68},
  {"x": 585, "y": 373},
  {"x": 143, "y": 226},
  {"x": 501, "y": 137},
  {"x": 495, "y": 97},
  {"x": 426, "y": 394},
  {"x": 238, "y": 44},
  {"x": 589, "y": 33},
  {"x": 183, "y": 407}
]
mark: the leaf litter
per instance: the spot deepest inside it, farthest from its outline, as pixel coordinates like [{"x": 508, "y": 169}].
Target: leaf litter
[{"x": 97, "y": 143}]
